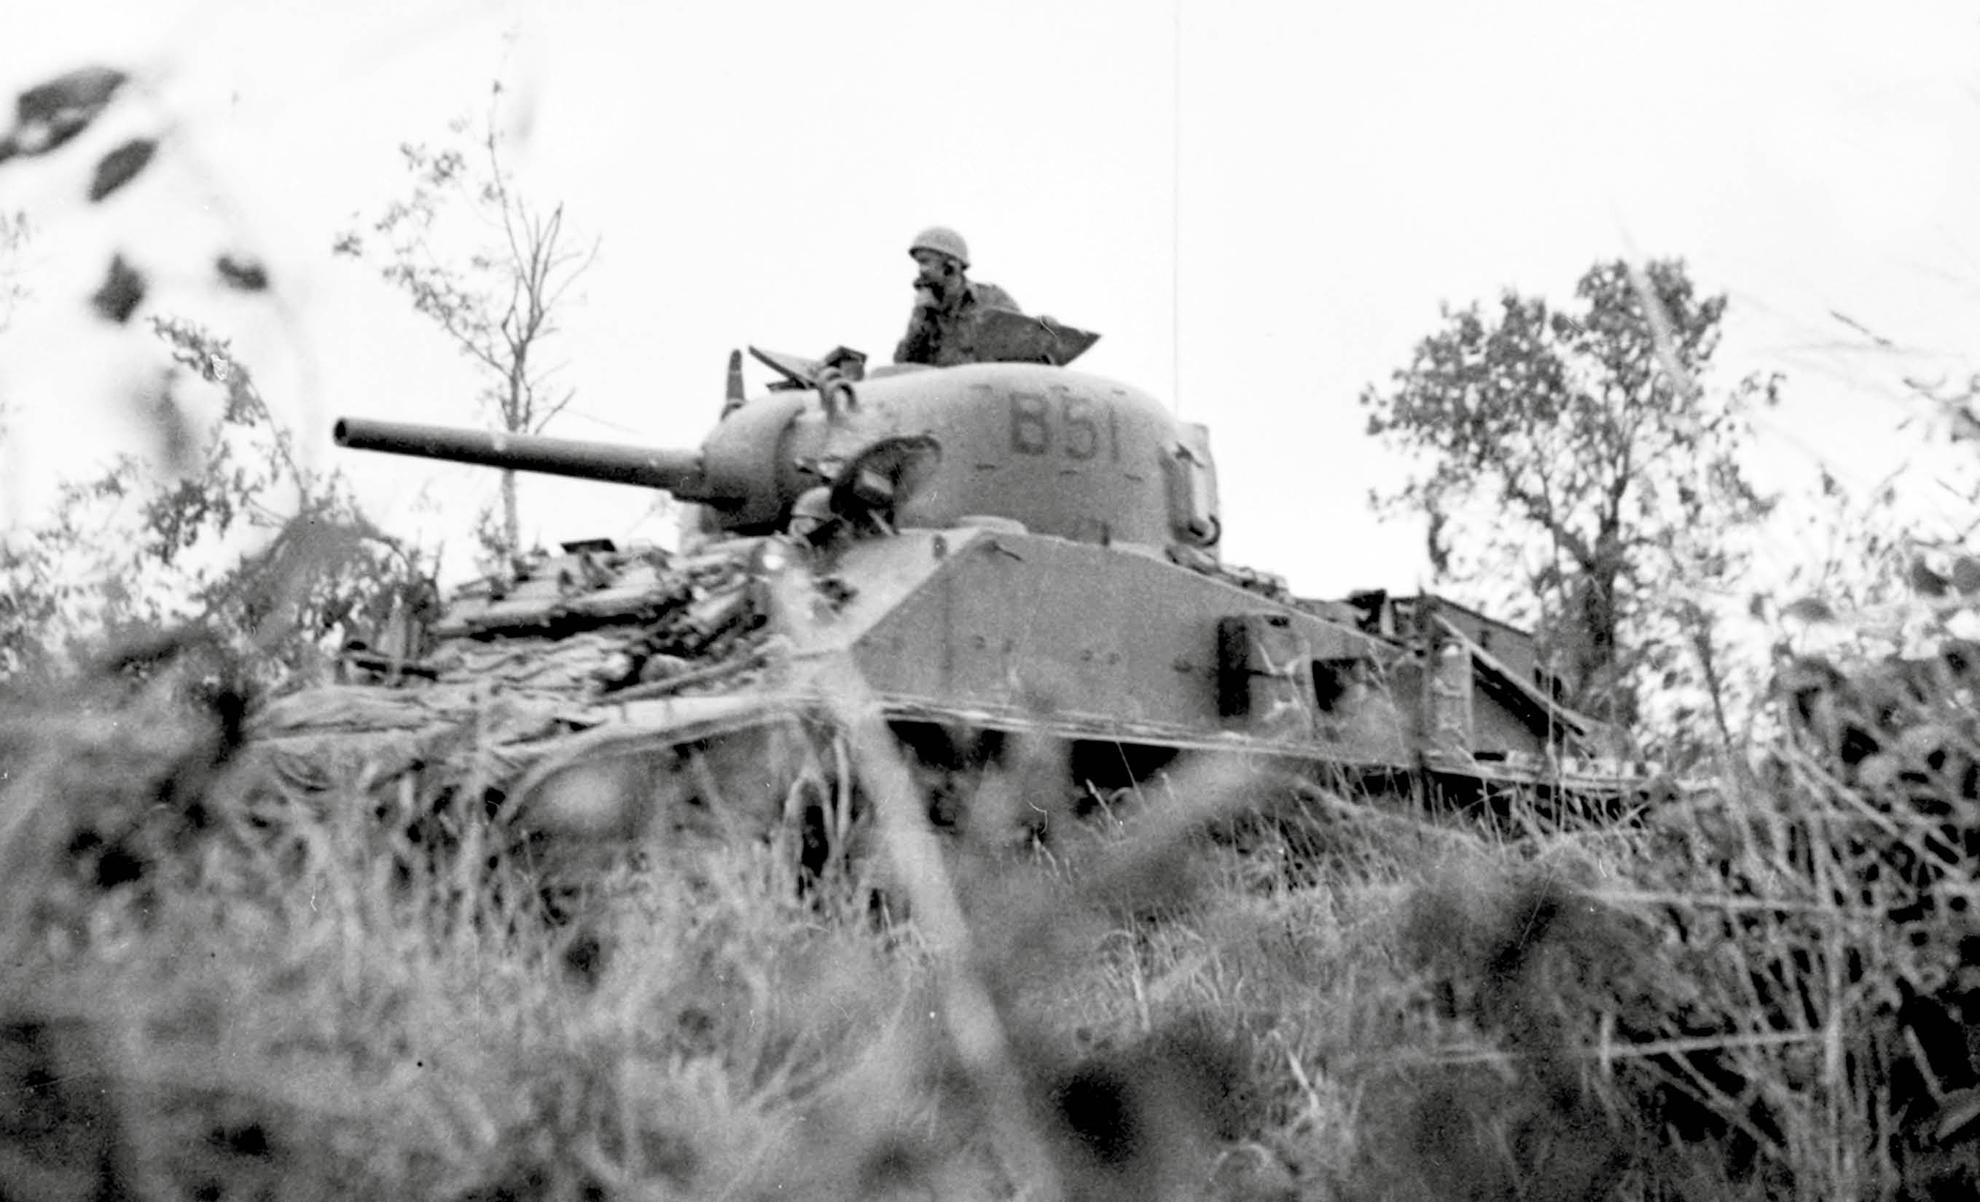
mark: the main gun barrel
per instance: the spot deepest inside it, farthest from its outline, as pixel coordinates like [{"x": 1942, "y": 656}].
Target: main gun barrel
[{"x": 675, "y": 471}]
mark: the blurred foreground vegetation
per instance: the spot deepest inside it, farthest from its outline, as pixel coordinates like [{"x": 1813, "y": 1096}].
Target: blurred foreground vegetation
[{"x": 1228, "y": 987}]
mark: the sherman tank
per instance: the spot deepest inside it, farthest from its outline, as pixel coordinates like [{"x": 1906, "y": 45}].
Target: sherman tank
[{"x": 967, "y": 557}]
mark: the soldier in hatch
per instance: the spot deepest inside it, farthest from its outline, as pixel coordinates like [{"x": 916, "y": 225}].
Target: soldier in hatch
[{"x": 946, "y": 301}]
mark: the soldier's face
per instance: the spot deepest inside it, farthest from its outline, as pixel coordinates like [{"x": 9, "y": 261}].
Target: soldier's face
[{"x": 930, "y": 268}]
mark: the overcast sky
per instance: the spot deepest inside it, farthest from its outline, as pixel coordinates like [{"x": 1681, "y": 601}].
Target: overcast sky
[{"x": 1259, "y": 205}]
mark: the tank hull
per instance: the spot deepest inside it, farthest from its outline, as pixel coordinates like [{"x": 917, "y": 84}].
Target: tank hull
[{"x": 961, "y": 641}]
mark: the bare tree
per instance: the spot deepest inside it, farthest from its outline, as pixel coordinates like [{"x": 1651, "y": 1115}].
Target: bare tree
[
  {"x": 13, "y": 240},
  {"x": 14, "y": 232},
  {"x": 492, "y": 269}
]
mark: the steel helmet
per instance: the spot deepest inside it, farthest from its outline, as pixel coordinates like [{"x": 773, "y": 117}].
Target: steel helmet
[{"x": 942, "y": 240}]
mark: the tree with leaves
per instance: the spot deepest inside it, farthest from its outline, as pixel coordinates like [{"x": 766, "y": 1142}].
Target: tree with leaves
[
  {"x": 1574, "y": 465},
  {"x": 496, "y": 292},
  {"x": 231, "y": 534},
  {"x": 223, "y": 531}
]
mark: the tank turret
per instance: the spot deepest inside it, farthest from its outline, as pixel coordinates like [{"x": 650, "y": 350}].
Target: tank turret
[{"x": 1054, "y": 451}]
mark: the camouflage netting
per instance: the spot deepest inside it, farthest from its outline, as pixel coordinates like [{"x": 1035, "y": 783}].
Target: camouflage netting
[{"x": 513, "y": 663}]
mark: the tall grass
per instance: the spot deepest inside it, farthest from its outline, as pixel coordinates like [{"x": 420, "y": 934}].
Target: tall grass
[{"x": 1223, "y": 985}]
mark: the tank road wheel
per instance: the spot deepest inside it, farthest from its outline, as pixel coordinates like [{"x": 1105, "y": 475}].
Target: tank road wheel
[
  {"x": 627, "y": 800},
  {"x": 820, "y": 810},
  {"x": 630, "y": 794}
]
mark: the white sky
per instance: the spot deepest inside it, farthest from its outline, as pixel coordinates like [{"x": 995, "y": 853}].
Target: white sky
[{"x": 1260, "y": 217}]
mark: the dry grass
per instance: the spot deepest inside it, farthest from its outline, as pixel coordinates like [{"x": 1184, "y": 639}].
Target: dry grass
[{"x": 214, "y": 991}]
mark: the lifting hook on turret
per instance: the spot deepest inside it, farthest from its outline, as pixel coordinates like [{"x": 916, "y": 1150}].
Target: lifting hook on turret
[
  {"x": 832, "y": 376},
  {"x": 835, "y": 392}
]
